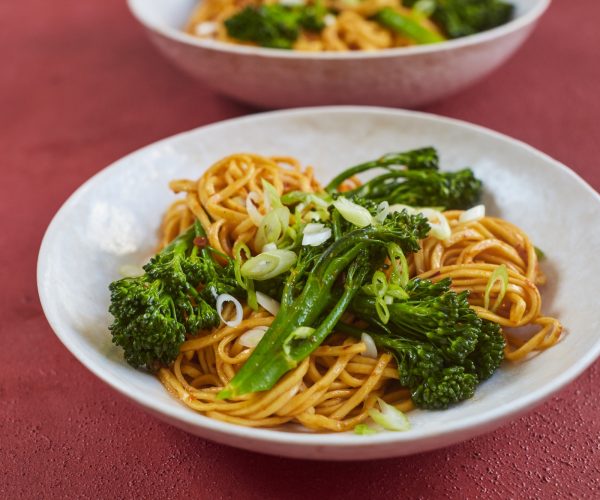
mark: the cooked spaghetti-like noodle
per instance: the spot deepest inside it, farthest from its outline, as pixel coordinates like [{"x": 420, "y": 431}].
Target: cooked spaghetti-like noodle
[
  {"x": 350, "y": 29},
  {"x": 333, "y": 389},
  {"x": 470, "y": 256}
]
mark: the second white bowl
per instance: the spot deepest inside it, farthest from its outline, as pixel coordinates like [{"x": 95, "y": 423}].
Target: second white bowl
[{"x": 274, "y": 78}]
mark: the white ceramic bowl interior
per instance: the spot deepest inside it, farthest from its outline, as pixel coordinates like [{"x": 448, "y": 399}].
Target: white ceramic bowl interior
[
  {"x": 113, "y": 218},
  {"x": 272, "y": 78}
]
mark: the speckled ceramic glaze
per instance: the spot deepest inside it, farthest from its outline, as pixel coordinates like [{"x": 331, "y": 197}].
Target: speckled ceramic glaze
[
  {"x": 112, "y": 220},
  {"x": 272, "y": 78}
]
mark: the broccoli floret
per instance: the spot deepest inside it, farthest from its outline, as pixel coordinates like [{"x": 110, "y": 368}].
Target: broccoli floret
[
  {"x": 145, "y": 323},
  {"x": 445, "y": 388},
  {"x": 466, "y": 17},
  {"x": 489, "y": 352},
  {"x": 153, "y": 312},
  {"x": 413, "y": 179},
  {"x": 275, "y": 25},
  {"x": 416, "y": 360},
  {"x": 415, "y": 159},
  {"x": 442, "y": 348},
  {"x": 423, "y": 188},
  {"x": 443, "y": 318}
]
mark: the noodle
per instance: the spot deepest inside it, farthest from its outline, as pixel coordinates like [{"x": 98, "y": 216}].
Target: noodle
[
  {"x": 334, "y": 388},
  {"x": 351, "y": 29},
  {"x": 470, "y": 256}
]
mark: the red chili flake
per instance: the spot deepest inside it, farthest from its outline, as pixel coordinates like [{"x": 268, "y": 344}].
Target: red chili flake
[{"x": 200, "y": 241}]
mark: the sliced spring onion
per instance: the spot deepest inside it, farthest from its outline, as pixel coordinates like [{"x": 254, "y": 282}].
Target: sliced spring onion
[
  {"x": 131, "y": 271},
  {"x": 238, "y": 249},
  {"x": 267, "y": 265},
  {"x": 353, "y": 213},
  {"x": 239, "y": 312},
  {"x": 398, "y": 207},
  {"x": 383, "y": 211},
  {"x": 380, "y": 283},
  {"x": 267, "y": 303},
  {"x": 378, "y": 286},
  {"x": 500, "y": 275},
  {"x": 371, "y": 351},
  {"x": 269, "y": 247},
  {"x": 317, "y": 201},
  {"x": 206, "y": 28},
  {"x": 440, "y": 228},
  {"x": 252, "y": 337},
  {"x": 382, "y": 309},
  {"x": 364, "y": 430},
  {"x": 246, "y": 283},
  {"x": 389, "y": 417},
  {"x": 272, "y": 227},
  {"x": 315, "y": 234},
  {"x": 395, "y": 291},
  {"x": 271, "y": 196},
  {"x": 473, "y": 214},
  {"x": 399, "y": 273},
  {"x": 302, "y": 332},
  {"x": 424, "y": 8},
  {"x": 253, "y": 212}
]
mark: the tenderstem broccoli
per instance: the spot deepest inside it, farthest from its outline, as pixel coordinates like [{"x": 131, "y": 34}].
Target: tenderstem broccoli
[
  {"x": 442, "y": 348},
  {"x": 306, "y": 316},
  {"x": 275, "y": 25},
  {"x": 407, "y": 25},
  {"x": 465, "y": 17},
  {"x": 176, "y": 295},
  {"x": 413, "y": 179}
]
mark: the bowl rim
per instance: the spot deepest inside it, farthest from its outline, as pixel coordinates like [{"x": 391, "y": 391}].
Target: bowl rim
[
  {"x": 184, "y": 416},
  {"x": 180, "y": 36}
]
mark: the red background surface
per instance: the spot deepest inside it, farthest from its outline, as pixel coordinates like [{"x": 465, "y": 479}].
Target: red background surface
[{"x": 80, "y": 86}]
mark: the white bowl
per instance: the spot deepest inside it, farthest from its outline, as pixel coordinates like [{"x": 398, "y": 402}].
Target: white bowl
[
  {"x": 272, "y": 78},
  {"x": 112, "y": 220}
]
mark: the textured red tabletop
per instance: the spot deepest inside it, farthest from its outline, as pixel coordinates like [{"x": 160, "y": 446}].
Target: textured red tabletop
[{"x": 81, "y": 86}]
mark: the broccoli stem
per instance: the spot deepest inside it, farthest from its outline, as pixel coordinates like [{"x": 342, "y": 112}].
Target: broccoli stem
[
  {"x": 422, "y": 188},
  {"x": 416, "y": 159},
  {"x": 405, "y": 25},
  {"x": 282, "y": 348},
  {"x": 269, "y": 361}
]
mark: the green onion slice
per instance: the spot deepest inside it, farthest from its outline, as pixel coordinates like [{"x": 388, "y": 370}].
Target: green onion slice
[
  {"x": 245, "y": 282},
  {"x": 269, "y": 264},
  {"x": 399, "y": 273},
  {"x": 500, "y": 275},
  {"x": 382, "y": 309},
  {"x": 364, "y": 430},
  {"x": 424, "y": 8},
  {"x": 271, "y": 196},
  {"x": 300, "y": 333},
  {"x": 353, "y": 213},
  {"x": 273, "y": 227},
  {"x": 390, "y": 417}
]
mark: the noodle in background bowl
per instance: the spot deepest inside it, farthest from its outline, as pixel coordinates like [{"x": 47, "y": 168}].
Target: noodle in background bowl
[
  {"x": 112, "y": 220},
  {"x": 275, "y": 78}
]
